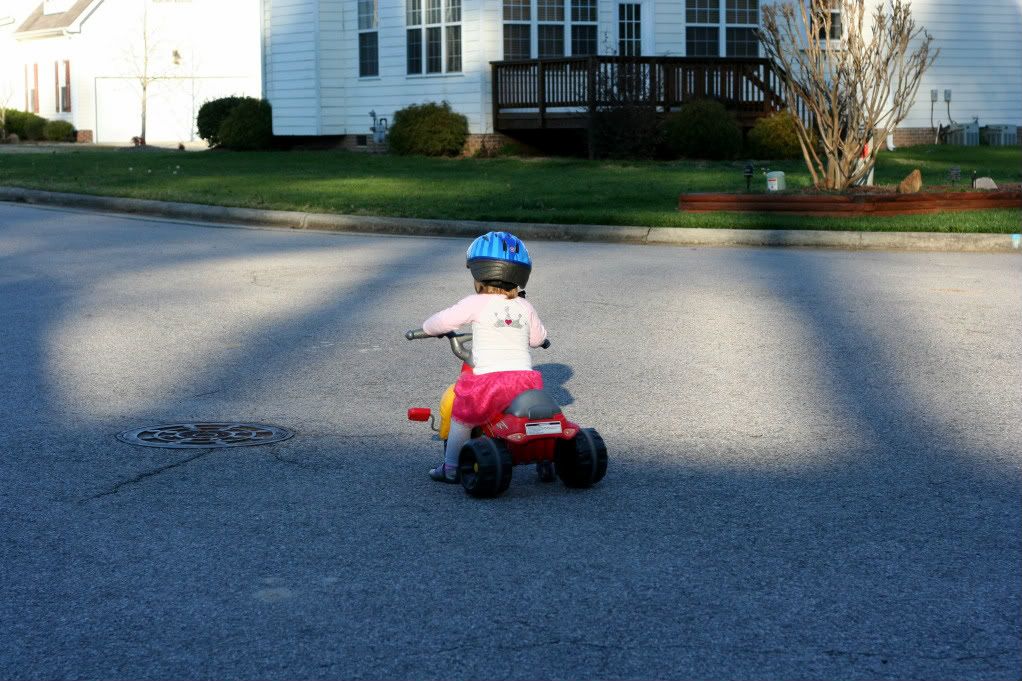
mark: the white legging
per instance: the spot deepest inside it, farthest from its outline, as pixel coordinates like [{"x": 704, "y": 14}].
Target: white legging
[{"x": 456, "y": 439}]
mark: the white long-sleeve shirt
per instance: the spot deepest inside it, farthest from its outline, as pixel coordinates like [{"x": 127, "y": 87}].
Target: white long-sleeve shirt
[{"x": 502, "y": 330}]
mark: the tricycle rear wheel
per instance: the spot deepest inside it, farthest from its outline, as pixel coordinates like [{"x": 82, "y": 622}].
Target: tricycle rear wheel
[
  {"x": 484, "y": 467},
  {"x": 582, "y": 461}
]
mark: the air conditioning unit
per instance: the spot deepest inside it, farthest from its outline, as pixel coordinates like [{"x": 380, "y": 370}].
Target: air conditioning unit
[
  {"x": 999, "y": 135},
  {"x": 964, "y": 135}
]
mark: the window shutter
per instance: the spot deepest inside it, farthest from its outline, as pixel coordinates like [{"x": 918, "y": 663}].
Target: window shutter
[{"x": 67, "y": 82}]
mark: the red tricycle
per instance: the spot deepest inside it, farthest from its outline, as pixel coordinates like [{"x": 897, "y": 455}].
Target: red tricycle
[{"x": 532, "y": 430}]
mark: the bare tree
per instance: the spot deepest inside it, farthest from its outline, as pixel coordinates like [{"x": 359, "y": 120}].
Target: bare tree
[
  {"x": 148, "y": 59},
  {"x": 856, "y": 82}
]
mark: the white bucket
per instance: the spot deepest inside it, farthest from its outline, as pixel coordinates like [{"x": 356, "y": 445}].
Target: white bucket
[{"x": 775, "y": 181}]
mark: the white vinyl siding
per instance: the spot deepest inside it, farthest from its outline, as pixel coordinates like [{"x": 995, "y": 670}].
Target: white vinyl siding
[
  {"x": 980, "y": 53},
  {"x": 294, "y": 69}
]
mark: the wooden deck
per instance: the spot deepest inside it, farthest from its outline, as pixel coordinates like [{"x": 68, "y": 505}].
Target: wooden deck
[{"x": 538, "y": 94}]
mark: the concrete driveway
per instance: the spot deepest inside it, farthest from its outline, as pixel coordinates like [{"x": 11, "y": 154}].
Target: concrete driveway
[{"x": 814, "y": 473}]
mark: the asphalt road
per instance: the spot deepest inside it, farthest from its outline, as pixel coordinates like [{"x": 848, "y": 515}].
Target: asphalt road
[{"x": 815, "y": 463}]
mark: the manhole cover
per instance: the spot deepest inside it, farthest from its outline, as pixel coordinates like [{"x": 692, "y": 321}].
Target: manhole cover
[{"x": 205, "y": 435}]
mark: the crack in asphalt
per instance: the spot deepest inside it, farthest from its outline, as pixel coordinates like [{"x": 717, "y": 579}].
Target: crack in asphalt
[{"x": 150, "y": 473}]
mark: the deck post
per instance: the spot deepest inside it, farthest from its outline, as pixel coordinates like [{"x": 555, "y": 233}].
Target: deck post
[
  {"x": 541, "y": 93},
  {"x": 591, "y": 83},
  {"x": 494, "y": 93},
  {"x": 654, "y": 85}
]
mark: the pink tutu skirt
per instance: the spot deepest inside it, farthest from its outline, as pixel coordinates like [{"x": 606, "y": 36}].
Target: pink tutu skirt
[{"x": 478, "y": 397}]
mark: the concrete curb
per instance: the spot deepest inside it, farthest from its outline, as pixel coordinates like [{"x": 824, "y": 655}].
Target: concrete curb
[{"x": 677, "y": 236}]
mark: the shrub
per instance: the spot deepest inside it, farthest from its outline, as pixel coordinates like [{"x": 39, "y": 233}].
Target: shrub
[
  {"x": 248, "y": 127},
  {"x": 703, "y": 129},
  {"x": 59, "y": 131},
  {"x": 774, "y": 137},
  {"x": 212, "y": 115},
  {"x": 27, "y": 126},
  {"x": 626, "y": 131},
  {"x": 35, "y": 127},
  {"x": 428, "y": 130}
]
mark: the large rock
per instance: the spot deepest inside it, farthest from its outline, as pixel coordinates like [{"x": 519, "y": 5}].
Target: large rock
[
  {"x": 912, "y": 183},
  {"x": 985, "y": 183}
]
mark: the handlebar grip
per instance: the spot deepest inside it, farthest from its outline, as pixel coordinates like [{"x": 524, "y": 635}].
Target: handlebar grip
[
  {"x": 546, "y": 344},
  {"x": 416, "y": 334}
]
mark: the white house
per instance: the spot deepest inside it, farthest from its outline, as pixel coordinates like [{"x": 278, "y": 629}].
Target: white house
[
  {"x": 84, "y": 61},
  {"x": 328, "y": 63}
]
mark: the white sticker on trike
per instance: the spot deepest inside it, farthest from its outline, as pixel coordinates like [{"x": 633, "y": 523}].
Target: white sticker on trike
[{"x": 545, "y": 428}]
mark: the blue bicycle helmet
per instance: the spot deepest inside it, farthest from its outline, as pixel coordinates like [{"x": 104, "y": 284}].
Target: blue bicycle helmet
[{"x": 499, "y": 258}]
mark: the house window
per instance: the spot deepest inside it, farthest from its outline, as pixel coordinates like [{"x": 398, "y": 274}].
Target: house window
[
  {"x": 714, "y": 28},
  {"x": 583, "y": 27},
  {"x": 415, "y": 50},
  {"x": 550, "y": 29},
  {"x": 517, "y": 10},
  {"x": 743, "y": 12},
  {"x": 742, "y": 42},
  {"x": 835, "y": 22},
  {"x": 434, "y": 50},
  {"x": 62, "y": 86},
  {"x": 433, "y": 36},
  {"x": 702, "y": 11},
  {"x": 517, "y": 41},
  {"x": 551, "y": 40},
  {"x": 702, "y": 41},
  {"x": 453, "y": 48},
  {"x": 559, "y": 26},
  {"x": 368, "y": 38},
  {"x": 742, "y": 17},
  {"x": 629, "y": 29},
  {"x": 368, "y": 54}
]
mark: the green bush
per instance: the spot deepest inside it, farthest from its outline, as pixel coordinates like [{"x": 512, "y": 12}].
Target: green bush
[
  {"x": 59, "y": 131},
  {"x": 428, "y": 130},
  {"x": 27, "y": 126},
  {"x": 703, "y": 129},
  {"x": 630, "y": 131},
  {"x": 212, "y": 115},
  {"x": 248, "y": 127},
  {"x": 774, "y": 137},
  {"x": 35, "y": 127}
]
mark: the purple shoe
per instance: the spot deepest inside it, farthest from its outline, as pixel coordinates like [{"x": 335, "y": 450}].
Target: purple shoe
[{"x": 444, "y": 473}]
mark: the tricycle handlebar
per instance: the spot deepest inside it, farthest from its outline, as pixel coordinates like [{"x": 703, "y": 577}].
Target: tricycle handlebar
[{"x": 458, "y": 341}]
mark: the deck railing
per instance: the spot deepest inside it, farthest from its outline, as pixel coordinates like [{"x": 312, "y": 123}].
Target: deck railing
[{"x": 541, "y": 88}]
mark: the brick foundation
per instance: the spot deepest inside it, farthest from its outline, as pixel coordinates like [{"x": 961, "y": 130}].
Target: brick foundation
[
  {"x": 83, "y": 137},
  {"x": 908, "y": 137},
  {"x": 363, "y": 143},
  {"x": 486, "y": 144}
]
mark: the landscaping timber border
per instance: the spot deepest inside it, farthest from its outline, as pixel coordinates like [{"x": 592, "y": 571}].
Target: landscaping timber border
[{"x": 850, "y": 205}]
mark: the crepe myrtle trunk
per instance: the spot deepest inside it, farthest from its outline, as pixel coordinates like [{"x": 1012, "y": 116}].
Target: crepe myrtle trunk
[{"x": 854, "y": 82}]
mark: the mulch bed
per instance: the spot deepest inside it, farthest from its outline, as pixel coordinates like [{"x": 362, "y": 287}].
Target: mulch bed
[{"x": 861, "y": 201}]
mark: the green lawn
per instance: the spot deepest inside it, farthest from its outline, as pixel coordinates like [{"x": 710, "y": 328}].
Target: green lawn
[{"x": 510, "y": 189}]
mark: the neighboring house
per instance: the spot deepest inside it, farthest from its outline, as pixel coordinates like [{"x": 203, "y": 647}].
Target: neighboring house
[
  {"x": 329, "y": 63},
  {"x": 84, "y": 61}
]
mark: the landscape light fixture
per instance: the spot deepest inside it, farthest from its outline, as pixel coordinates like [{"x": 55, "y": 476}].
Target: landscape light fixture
[{"x": 954, "y": 174}]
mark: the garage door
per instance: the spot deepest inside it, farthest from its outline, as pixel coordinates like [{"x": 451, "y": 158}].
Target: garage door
[{"x": 119, "y": 111}]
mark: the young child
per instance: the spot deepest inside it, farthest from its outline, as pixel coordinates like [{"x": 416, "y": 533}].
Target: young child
[{"x": 504, "y": 327}]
